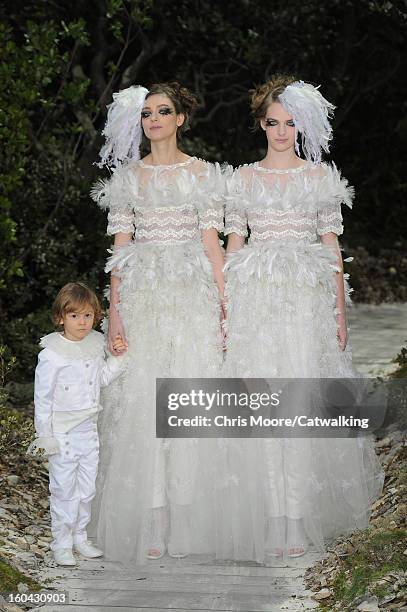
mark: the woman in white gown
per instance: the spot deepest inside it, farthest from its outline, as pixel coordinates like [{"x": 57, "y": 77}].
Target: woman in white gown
[
  {"x": 164, "y": 212},
  {"x": 286, "y": 318}
]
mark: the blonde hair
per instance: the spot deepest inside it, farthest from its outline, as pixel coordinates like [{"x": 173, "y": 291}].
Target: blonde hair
[
  {"x": 75, "y": 296},
  {"x": 263, "y": 95}
]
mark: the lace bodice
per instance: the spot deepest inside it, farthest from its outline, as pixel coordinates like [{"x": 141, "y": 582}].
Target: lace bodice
[
  {"x": 297, "y": 204},
  {"x": 163, "y": 203}
]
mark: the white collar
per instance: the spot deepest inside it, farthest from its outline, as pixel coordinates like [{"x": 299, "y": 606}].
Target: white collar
[{"x": 91, "y": 346}]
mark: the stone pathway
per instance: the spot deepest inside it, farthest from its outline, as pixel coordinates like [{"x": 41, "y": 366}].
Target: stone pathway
[{"x": 199, "y": 584}]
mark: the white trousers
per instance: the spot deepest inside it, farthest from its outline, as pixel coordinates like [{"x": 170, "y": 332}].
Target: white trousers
[{"x": 72, "y": 477}]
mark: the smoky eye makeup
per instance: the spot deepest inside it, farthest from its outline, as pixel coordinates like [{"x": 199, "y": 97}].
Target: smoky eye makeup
[
  {"x": 166, "y": 111},
  {"x": 273, "y": 122}
]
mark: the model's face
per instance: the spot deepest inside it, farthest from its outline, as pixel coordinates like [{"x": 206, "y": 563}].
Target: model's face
[
  {"x": 279, "y": 127},
  {"x": 78, "y": 323},
  {"x": 159, "y": 119}
]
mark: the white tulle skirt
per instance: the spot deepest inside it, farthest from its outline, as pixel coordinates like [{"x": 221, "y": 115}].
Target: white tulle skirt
[
  {"x": 171, "y": 314},
  {"x": 281, "y": 324}
]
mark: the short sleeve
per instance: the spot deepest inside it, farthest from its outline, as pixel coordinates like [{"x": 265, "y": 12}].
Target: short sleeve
[
  {"x": 333, "y": 191},
  {"x": 114, "y": 195},
  {"x": 329, "y": 219},
  {"x": 236, "y": 198},
  {"x": 211, "y": 197}
]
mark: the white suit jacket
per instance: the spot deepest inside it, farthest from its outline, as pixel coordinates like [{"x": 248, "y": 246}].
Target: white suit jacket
[{"x": 68, "y": 378}]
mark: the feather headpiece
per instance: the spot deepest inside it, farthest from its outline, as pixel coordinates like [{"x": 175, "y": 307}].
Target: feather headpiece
[
  {"x": 311, "y": 113},
  {"x": 123, "y": 127}
]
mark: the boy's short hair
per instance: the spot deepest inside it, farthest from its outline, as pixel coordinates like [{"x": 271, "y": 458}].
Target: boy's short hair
[{"x": 75, "y": 296}]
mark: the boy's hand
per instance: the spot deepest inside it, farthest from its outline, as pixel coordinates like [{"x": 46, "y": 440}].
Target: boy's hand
[{"x": 119, "y": 345}]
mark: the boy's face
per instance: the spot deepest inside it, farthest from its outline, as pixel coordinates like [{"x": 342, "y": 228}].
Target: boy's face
[{"x": 78, "y": 323}]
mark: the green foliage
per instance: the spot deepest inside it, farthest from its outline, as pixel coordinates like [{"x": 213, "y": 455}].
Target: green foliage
[
  {"x": 60, "y": 63},
  {"x": 16, "y": 430},
  {"x": 378, "y": 552},
  {"x": 10, "y": 578},
  {"x": 401, "y": 360}
]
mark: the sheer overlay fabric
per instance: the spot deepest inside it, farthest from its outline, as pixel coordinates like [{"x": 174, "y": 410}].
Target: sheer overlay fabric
[
  {"x": 281, "y": 323},
  {"x": 150, "y": 490}
]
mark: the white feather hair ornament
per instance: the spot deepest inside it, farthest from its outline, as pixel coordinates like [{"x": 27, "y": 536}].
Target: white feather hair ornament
[
  {"x": 311, "y": 113},
  {"x": 123, "y": 127}
]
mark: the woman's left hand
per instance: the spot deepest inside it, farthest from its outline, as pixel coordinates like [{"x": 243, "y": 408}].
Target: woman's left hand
[
  {"x": 222, "y": 323},
  {"x": 342, "y": 332}
]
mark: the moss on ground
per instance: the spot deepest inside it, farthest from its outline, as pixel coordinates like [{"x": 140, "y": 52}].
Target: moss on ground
[
  {"x": 377, "y": 554},
  {"x": 10, "y": 578}
]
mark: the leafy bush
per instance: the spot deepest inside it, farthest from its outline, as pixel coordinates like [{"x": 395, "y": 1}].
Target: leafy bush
[{"x": 16, "y": 430}]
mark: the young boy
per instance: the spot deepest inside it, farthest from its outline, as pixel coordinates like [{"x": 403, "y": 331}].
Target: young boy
[{"x": 71, "y": 369}]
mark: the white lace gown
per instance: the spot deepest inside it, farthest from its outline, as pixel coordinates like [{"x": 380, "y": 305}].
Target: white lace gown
[
  {"x": 281, "y": 324},
  {"x": 170, "y": 308}
]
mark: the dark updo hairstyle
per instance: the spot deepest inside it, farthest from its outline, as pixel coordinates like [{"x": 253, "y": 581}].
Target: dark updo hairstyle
[
  {"x": 263, "y": 95},
  {"x": 184, "y": 101}
]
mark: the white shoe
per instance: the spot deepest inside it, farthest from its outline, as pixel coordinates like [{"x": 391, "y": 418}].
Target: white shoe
[
  {"x": 64, "y": 556},
  {"x": 86, "y": 549}
]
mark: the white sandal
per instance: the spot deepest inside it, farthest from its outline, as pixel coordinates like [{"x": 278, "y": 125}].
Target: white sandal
[
  {"x": 158, "y": 524},
  {"x": 296, "y": 538},
  {"x": 276, "y": 536},
  {"x": 179, "y": 531}
]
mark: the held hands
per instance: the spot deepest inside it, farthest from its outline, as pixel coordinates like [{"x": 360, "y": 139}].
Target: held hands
[
  {"x": 342, "y": 332},
  {"x": 117, "y": 337},
  {"x": 119, "y": 345}
]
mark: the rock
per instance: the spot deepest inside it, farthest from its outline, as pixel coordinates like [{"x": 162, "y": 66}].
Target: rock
[
  {"x": 37, "y": 550},
  {"x": 369, "y": 606},
  {"x": 5, "y": 515},
  {"x": 7, "y": 607},
  {"x": 20, "y": 543},
  {"x": 46, "y": 538},
  {"x": 28, "y": 558},
  {"x": 33, "y": 530},
  {"x": 22, "y": 587},
  {"x": 387, "y": 600},
  {"x": 13, "y": 480},
  {"x": 30, "y": 539},
  {"x": 384, "y": 442},
  {"x": 322, "y": 594},
  {"x": 49, "y": 560}
]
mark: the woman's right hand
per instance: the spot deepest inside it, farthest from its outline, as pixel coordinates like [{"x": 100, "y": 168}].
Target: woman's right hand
[{"x": 115, "y": 329}]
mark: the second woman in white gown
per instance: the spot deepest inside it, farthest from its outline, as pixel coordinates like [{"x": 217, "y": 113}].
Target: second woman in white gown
[{"x": 287, "y": 319}]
